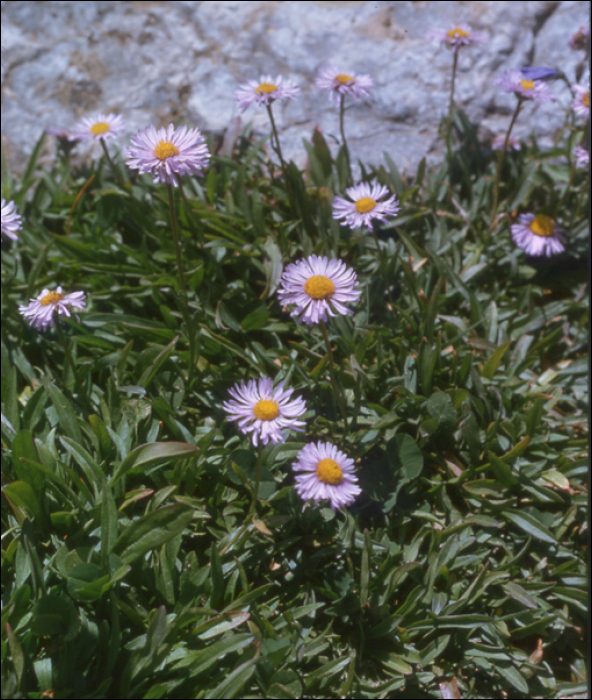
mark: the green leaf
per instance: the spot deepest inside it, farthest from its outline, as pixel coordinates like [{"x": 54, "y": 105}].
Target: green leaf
[
  {"x": 521, "y": 595},
  {"x": 515, "y": 678},
  {"x": 490, "y": 367},
  {"x": 530, "y": 525},
  {"x": 54, "y": 615},
  {"x": 108, "y": 522},
  {"x": 21, "y": 494},
  {"x": 441, "y": 407},
  {"x": 234, "y": 682},
  {"x": 217, "y": 626},
  {"x": 405, "y": 456},
  {"x": 86, "y": 582},
  {"x": 502, "y": 471},
  {"x": 199, "y": 661},
  {"x": 66, "y": 413},
  {"x": 24, "y": 459},
  {"x": 10, "y": 398},
  {"x": 152, "y": 453},
  {"x": 16, "y": 653},
  {"x": 432, "y": 310},
  {"x": 152, "y": 531},
  {"x": 149, "y": 373}
]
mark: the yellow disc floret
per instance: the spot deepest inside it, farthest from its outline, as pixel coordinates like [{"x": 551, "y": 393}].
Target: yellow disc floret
[
  {"x": 364, "y": 205},
  {"x": 51, "y": 298},
  {"x": 527, "y": 84},
  {"x": 329, "y": 472},
  {"x": 319, "y": 287},
  {"x": 266, "y": 409},
  {"x": 344, "y": 79},
  {"x": 543, "y": 225},
  {"x": 165, "y": 149},
  {"x": 266, "y": 88},
  {"x": 586, "y": 99},
  {"x": 99, "y": 128},
  {"x": 457, "y": 33}
]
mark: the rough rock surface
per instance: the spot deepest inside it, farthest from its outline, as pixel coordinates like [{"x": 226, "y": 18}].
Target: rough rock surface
[{"x": 162, "y": 62}]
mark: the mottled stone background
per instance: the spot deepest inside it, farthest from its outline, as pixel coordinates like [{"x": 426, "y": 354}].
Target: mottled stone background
[{"x": 161, "y": 62}]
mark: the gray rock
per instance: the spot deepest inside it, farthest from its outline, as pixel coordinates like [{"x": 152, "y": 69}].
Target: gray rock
[{"x": 180, "y": 62}]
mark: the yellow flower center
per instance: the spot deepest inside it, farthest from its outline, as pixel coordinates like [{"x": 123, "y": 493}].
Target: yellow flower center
[
  {"x": 329, "y": 472},
  {"x": 52, "y": 298},
  {"x": 543, "y": 226},
  {"x": 165, "y": 149},
  {"x": 266, "y": 409},
  {"x": 527, "y": 84},
  {"x": 99, "y": 128},
  {"x": 586, "y": 99},
  {"x": 457, "y": 33},
  {"x": 364, "y": 205},
  {"x": 344, "y": 79},
  {"x": 319, "y": 287},
  {"x": 266, "y": 88}
]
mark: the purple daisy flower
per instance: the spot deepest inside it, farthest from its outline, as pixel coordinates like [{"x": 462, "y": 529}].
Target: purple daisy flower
[
  {"x": 330, "y": 78},
  {"x": 103, "y": 126},
  {"x": 538, "y": 235},
  {"x": 324, "y": 472},
  {"x": 41, "y": 311},
  {"x": 582, "y": 157},
  {"x": 168, "y": 153},
  {"x": 11, "y": 221},
  {"x": 581, "y": 103},
  {"x": 265, "y": 91},
  {"x": 458, "y": 35},
  {"x": 318, "y": 286},
  {"x": 263, "y": 410},
  {"x": 365, "y": 205},
  {"x": 524, "y": 88}
]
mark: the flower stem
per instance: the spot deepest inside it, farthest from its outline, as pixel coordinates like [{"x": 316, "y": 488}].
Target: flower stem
[
  {"x": 190, "y": 216},
  {"x": 338, "y": 394},
  {"x": 383, "y": 268},
  {"x": 67, "y": 352},
  {"x": 500, "y": 159},
  {"x": 257, "y": 481},
  {"x": 343, "y": 140},
  {"x": 275, "y": 141},
  {"x": 176, "y": 240},
  {"x": 116, "y": 172},
  {"x": 451, "y": 105},
  {"x": 185, "y": 304}
]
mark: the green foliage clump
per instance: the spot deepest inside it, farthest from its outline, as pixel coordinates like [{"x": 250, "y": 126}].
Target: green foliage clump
[{"x": 129, "y": 566}]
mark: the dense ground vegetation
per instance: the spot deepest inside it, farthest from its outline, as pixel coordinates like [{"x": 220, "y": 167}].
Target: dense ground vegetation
[{"x": 131, "y": 565}]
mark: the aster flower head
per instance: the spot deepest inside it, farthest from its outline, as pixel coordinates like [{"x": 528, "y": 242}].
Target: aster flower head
[
  {"x": 168, "y": 153},
  {"x": 318, "y": 287},
  {"x": 457, "y": 35},
  {"x": 103, "y": 126},
  {"x": 538, "y": 235},
  {"x": 324, "y": 472},
  {"x": 265, "y": 91},
  {"x": 11, "y": 221},
  {"x": 365, "y": 205},
  {"x": 263, "y": 410},
  {"x": 41, "y": 311},
  {"x": 498, "y": 143},
  {"x": 581, "y": 103},
  {"x": 582, "y": 157},
  {"x": 332, "y": 79},
  {"x": 524, "y": 88},
  {"x": 579, "y": 40}
]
